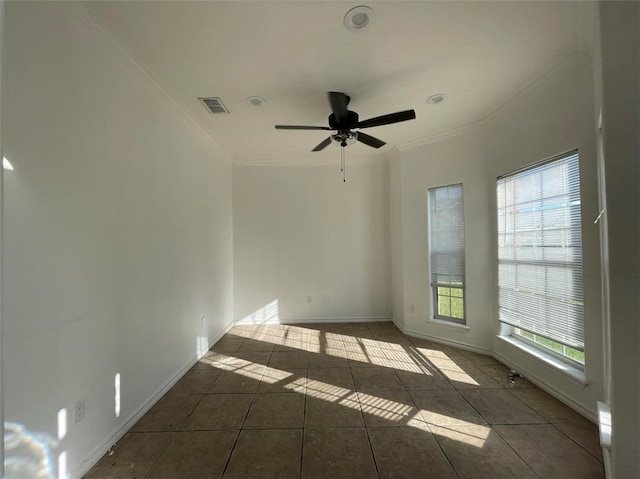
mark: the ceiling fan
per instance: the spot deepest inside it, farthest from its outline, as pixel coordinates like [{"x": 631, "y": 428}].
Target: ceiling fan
[{"x": 343, "y": 121}]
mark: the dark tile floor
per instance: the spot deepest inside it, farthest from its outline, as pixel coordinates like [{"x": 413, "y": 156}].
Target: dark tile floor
[{"x": 351, "y": 401}]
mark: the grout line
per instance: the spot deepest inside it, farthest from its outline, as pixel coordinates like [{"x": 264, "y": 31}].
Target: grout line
[
  {"x": 513, "y": 449},
  {"x": 491, "y": 428},
  {"x": 146, "y": 474},
  {"x": 567, "y": 435},
  {"x": 415, "y": 405},
  {"x": 373, "y": 456},
  {"x": 253, "y": 396},
  {"x": 435, "y": 438},
  {"x": 304, "y": 419},
  {"x": 364, "y": 423},
  {"x": 409, "y": 348}
]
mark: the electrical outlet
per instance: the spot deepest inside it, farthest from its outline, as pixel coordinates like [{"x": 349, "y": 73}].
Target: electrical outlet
[
  {"x": 79, "y": 410},
  {"x": 202, "y": 321},
  {"x": 412, "y": 309},
  {"x": 309, "y": 298}
]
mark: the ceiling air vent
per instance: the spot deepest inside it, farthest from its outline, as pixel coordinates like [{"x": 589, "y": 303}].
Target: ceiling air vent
[{"x": 213, "y": 105}]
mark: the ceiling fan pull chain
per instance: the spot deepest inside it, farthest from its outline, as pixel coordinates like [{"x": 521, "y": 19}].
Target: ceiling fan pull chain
[{"x": 344, "y": 168}]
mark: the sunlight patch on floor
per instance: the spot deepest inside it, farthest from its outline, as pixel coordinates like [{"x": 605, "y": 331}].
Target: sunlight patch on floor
[
  {"x": 385, "y": 408},
  {"x": 247, "y": 369},
  {"x": 272, "y": 375},
  {"x": 472, "y": 434},
  {"x": 460, "y": 377},
  {"x": 328, "y": 391}
]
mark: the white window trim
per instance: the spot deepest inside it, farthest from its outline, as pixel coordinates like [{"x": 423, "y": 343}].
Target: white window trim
[
  {"x": 551, "y": 360},
  {"x": 457, "y": 323},
  {"x": 448, "y": 324},
  {"x": 573, "y": 369}
]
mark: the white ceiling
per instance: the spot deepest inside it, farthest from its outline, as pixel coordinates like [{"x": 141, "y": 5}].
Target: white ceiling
[{"x": 479, "y": 54}]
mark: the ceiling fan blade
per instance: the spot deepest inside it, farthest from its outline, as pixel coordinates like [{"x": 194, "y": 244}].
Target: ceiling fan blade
[
  {"x": 388, "y": 119},
  {"x": 339, "y": 102},
  {"x": 323, "y": 145},
  {"x": 297, "y": 127},
  {"x": 370, "y": 140}
]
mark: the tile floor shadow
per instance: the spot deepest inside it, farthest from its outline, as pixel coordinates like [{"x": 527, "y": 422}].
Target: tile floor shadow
[{"x": 349, "y": 400}]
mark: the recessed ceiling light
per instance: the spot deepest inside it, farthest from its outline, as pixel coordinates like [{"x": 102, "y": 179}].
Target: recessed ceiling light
[
  {"x": 256, "y": 101},
  {"x": 435, "y": 99},
  {"x": 358, "y": 18}
]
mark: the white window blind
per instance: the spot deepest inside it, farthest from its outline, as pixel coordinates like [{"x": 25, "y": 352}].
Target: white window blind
[
  {"x": 446, "y": 235},
  {"x": 540, "y": 251}
]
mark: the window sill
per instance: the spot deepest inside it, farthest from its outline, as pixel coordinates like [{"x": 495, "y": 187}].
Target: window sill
[
  {"x": 448, "y": 324},
  {"x": 572, "y": 372}
]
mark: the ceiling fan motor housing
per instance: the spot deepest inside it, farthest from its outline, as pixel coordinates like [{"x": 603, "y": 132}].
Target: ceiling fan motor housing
[{"x": 347, "y": 124}]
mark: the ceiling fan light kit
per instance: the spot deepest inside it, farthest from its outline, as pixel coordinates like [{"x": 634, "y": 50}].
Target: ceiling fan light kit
[
  {"x": 358, "y": 18},
  {"x": 345, "y": 138}
]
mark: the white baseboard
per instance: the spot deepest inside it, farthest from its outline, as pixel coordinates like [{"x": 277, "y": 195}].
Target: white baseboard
[
  {"x": 84, "y": 466},
  {"x": 591, "y": 415},
  {"x": 448, "y": 342},
  {"x": 579, "y": 408},
  {"x": 373, "y": 319}
]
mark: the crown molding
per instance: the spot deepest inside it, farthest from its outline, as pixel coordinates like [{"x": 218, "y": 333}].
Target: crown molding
[
  {"x": 441, "y": 135},
  {"x": 80, "y": 16},
  {"x": 275, "y": 162},
  {"x": 557, "y": 73}
]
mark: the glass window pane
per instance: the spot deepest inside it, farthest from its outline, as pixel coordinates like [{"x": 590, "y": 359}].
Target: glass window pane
[
  {"x": 457, "y": 308},
  {"x": 444, "y": 306}
]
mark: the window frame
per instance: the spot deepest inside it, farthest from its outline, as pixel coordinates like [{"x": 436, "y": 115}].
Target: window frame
[
  {"x": 510, "y": 330},
  {"x": 436, "y": 285}
]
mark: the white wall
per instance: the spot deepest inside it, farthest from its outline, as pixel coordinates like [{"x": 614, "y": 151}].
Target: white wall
[
  {"x": 552, "y": 117},
  {"x": 314, "y": 246},
  {"x": 1, "y": 249},
  {"x": 117, "y": 232},
  {"x": 455, "y": 160},
  {"x": 395, "y": 222},
  {"x": 619, "y": 98}
]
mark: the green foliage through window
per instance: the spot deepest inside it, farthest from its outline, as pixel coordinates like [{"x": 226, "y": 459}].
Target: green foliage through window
[
  {"x": 559, "y": 348},
  {"x": 450, "y": 301}
]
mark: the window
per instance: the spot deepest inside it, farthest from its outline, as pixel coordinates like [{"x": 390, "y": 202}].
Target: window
[
  {"x": 540, "y": 256},
  {"x": 446, "y": 252}
]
